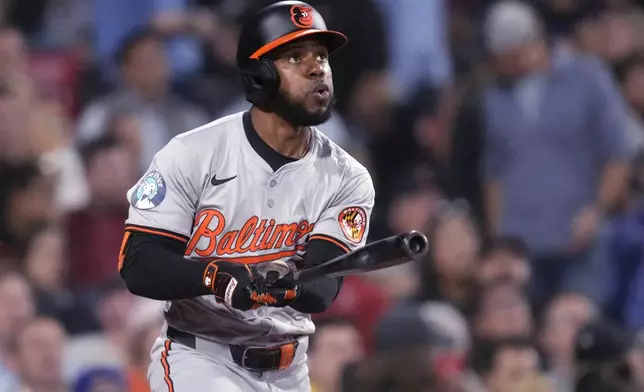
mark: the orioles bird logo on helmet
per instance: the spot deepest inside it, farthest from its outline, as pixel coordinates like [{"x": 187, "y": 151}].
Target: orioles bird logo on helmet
[{"x": 302, "y": 16}]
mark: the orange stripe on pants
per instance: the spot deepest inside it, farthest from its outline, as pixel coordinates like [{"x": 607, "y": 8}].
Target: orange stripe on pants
[{"x": 166, "y": 366}]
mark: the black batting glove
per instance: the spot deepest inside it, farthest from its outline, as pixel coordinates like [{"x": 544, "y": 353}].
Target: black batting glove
[{"x": 232, "y": 284}]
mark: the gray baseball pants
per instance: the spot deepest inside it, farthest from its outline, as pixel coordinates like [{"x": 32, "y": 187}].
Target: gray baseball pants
[{"x": 210, "y": 367}]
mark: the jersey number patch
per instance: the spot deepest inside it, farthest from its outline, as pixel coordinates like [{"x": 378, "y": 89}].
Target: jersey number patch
[{"x": 353, "y": 222}]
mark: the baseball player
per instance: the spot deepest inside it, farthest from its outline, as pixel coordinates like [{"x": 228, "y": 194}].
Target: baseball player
[{"x": 222, "y": 201}]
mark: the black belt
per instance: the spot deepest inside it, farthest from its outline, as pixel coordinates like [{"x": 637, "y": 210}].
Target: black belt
[{"x": 256, "y": 359}]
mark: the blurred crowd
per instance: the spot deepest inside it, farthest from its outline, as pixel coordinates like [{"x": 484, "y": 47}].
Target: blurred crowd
[{"x": 510, "y": 132}]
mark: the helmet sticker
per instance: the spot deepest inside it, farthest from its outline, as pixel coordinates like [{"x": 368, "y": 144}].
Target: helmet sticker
[{"x": 302, "y": 16}]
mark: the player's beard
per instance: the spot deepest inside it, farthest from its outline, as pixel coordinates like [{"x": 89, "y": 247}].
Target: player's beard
[{"x": 295, "y": 113}]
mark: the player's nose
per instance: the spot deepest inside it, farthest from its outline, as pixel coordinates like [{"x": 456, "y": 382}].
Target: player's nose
[{"x": 314, "y": 69}]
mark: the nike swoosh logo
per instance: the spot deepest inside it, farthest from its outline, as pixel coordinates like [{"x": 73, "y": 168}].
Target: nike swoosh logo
[{"x": 216, "y": 182}]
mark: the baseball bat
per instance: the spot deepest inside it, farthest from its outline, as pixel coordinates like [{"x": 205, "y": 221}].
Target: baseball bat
[{"x": 387, "y": 252}]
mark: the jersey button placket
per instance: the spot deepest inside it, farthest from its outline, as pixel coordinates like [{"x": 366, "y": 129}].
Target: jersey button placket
[{"x": 271, "y": 184}]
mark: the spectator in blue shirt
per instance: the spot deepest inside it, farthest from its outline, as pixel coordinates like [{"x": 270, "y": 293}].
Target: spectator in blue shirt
[{"x": 555, "y": 152}]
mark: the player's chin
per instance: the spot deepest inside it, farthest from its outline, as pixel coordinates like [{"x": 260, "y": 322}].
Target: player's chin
[
  {"x": 320, "y": 114},
  {"x": 316, "y": 117},
  {"x": 318, "y": 105}
]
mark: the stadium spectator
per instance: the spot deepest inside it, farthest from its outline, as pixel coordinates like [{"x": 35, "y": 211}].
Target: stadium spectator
[
  {"x": 111, "y": 171},
  {"x": 604, "y": 354},
  {"x": 140, "y": 343},
  {"x": 619, "y": 33},
  {"x": 35, "y": 126},
  {"x": 505, "y": 364},
  {"x": 625, "y": 292},
  {"x": 46, "y": 266},
  {"x": 18, "y": 104},
  {"x": 505, "y": 260},
  {"x": 450, "y": 345},
  {"x": 403, "y": 371},
  {"x": 26, "y": 204},
  {"x": 361, "y": 301},
  {"x": 537, "y": 383},
  {"x": 630, "y": 73},
  {"x": 14, "y": 142},
  {"x": 560, "y": 324},
  {"x": 125, "y": 129},
  {"x": 635, "y": 360},
  {"x": 146, "y": 91},
  {"x": 51, "y": 130},
  {"x": 404, "y": 358},
  {"x": 418, "y": 43},
  {"x": 336, "y": 343},
  {"x": 501, "y": 311},
  {"x": 38, "y": 355},
  {"x": 576, "y": 159},
  {"x": 436, "y": 335},
  {"x": 412, "y": 206},
  {"x": 16, "y": 309},
  {"x": 13, "y": 50},
  {"x": 412, "y": 148},
  {"x": 450, "y": 268},
  {"x": 464, "y": 162},
  {"x": 100, "y": 380},
  {"x": 107, "y": 347}
]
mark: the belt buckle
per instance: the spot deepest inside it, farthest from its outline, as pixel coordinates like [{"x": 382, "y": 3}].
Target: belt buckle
[
  {"x": 287, "y": 354},
  {"x": 244, "y": 357},
  {"x": 243, "y": 361}
]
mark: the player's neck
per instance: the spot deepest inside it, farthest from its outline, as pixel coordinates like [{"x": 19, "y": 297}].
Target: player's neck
[{"x": 281, "y": 136}]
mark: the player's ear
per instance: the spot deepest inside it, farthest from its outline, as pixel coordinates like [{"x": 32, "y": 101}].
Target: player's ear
[
  {"x": 255, "y": 81},
  {"x": 262, "y": 80}
]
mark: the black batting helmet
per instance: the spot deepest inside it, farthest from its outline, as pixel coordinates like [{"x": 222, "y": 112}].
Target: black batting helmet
[{"x": 270, "y": 28}]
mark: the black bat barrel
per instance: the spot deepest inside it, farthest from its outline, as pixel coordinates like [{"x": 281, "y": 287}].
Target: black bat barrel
[{"x": 384, "y": 253}]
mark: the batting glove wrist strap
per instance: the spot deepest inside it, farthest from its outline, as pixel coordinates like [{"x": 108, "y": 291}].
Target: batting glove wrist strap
[{"x": 231, "y": 284}]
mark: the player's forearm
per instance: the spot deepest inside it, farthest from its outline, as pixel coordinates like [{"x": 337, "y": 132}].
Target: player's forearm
[
  {"x": 317, "y": 296},
  {"x": 153, "y": 267}
]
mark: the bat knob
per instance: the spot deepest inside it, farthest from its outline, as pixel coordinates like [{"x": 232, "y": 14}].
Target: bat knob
[
  {"x": 272, "y": 272},
  {"x": 272, "y": 277}
]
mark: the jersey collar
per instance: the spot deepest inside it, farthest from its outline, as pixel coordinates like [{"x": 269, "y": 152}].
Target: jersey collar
[{"x": 274, "y": 159}]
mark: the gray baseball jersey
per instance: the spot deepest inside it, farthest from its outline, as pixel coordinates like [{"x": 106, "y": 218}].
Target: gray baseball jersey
[{"x": 210, "y": 188}]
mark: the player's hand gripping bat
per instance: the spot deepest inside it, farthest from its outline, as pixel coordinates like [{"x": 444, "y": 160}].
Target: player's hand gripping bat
[{"x": 384, "y": 253}]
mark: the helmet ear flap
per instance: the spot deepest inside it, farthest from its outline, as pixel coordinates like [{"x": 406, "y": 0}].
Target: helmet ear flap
[{"x": 261, "y": 80}]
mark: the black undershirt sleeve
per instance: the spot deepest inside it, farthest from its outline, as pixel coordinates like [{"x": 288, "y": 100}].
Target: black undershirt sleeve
[
  {"x": 316, "y": 296},
  {"x": 153, "y": 266}
]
